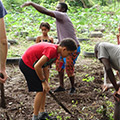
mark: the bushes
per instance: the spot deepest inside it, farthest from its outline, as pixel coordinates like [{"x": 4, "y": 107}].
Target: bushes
[{"x": 15, "y": 4}]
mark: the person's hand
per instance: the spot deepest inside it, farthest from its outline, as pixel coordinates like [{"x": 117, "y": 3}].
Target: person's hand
[
  {"x": 2, "y": 80},
  {"x": 26, "y": 4},
  {"x": 46, "y": 86},
  {"x": 105, "y": 87}
]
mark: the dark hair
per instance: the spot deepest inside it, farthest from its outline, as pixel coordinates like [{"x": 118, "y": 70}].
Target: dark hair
[
  {"x": 64, "y": 5},
  {"x": 69, "y": 43},
  {"x": 96, "y": 47},
  {"x": 45, "y": 24}
]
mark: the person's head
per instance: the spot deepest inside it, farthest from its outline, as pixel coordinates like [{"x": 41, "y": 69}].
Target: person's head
[
  {"x": 45, "y": 27},
  {"x": 68, "y": 46},
  {"x": 96, "y": 50},
  {"x": 62, "y": 7}
]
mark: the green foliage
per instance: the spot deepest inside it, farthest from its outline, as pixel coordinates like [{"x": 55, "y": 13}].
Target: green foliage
[
  {"x": 13, "y": 4},
  {"x": 88, "y": 78},
  {"x": 82, "y": 18},
  {"x": 108, "y": 110}
]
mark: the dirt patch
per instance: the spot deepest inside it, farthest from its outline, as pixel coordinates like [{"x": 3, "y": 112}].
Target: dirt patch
[{"x": 88, "y": 103}]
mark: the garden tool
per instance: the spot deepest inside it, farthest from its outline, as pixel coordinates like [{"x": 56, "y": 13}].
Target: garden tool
[
  {"x": 2, "y": 104},
  {"x": 54, "y": 97}
]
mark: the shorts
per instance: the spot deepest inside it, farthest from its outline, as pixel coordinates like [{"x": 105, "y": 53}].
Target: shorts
[
  {"x": 33, "y": 82},
  {"x": 68, "y": 62}
]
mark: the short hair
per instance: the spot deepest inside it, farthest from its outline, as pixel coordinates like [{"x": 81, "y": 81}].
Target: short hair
[
  {"x": 64, "y": 5},
  {"x": 96, "y": 47},
  {"x": 45, "y": 24},
  {"x": 69, "y": 43}
]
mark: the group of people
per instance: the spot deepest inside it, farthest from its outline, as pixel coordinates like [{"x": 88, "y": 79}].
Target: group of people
[{"x": 35, "y": 62}]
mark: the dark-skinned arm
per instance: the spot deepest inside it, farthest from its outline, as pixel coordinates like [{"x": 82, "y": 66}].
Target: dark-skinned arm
[
  {"x": 39, "y": 8},
  {"x": 109, "y": 72}
]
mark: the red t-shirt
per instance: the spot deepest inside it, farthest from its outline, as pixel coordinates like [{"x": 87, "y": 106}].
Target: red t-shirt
[{"x": 36, "y": 51}]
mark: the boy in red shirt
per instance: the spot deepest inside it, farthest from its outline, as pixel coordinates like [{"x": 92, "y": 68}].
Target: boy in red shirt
[{"x": 34, "y": 63}]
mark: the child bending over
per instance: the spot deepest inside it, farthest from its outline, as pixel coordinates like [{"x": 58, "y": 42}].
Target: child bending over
[{"x": 34, "y": 64}]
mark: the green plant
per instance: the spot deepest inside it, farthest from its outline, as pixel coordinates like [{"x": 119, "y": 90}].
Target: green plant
[{"x": 88, "y": 78}]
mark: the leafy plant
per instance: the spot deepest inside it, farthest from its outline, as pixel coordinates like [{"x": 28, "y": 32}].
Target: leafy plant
[{"x": 88, "y": 78}]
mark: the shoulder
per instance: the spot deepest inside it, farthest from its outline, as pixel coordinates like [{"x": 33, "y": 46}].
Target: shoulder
[
  {"x": 51, "y": 38},
  {"x": 39, "y": 37},
  {"x": 60, "y": 15}
]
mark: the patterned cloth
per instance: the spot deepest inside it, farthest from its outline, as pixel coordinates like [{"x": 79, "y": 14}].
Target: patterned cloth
[{"x": 67, "y": 63}]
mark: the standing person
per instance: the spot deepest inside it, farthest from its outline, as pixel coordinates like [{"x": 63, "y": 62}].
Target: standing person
[
  {"x": 3, "y": 44},
  {"x": 109, "y": 56},
  {"x": 34, "y": 64},
  {"x": 65, "y": 29},
  {"x": 45, "y": 28}
]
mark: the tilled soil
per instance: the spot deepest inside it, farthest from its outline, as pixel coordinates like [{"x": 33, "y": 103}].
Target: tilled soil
[{"x": 88, "y": 103}]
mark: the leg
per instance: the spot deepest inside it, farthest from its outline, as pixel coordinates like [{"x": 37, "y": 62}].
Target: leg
[
  {"x": 117, "y": 105},
  {"x": 60, "y": 65},
  {"x": 117, "y": 111},
  {"x": 72, "y": 81},
  {"x": 38, "y": 102},
  {"x": 42, "y": 106},
  {"x": 70, "y": 62},
  {"x": 61, "y": 78}
]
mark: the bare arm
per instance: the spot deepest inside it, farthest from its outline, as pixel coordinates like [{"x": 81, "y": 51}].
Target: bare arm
[
  {"x": 3, "y": 50},
  {"x": 52, "y": 40},
  {"x": 46, "y": 72},
  {"x": 109, "y": 72},
  {"x": 38, "y": 39},
  {"x": 39, "y": 71},
  {"x": 39, "y": 8}
]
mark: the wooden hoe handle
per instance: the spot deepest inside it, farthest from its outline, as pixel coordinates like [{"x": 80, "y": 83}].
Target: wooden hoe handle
[{"x": 2, "y": 104}]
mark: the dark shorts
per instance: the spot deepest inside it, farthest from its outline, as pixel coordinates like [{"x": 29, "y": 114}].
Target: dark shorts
[{"x": 33, "y": 81}]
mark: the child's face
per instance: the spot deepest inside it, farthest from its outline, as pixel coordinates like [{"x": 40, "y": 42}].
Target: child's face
[
  {"x": 65, "y": 52},
  {"x": 44, "y": 30}
]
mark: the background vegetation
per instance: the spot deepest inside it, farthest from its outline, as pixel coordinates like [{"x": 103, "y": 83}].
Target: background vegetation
[{"x": 84, "y": 19}]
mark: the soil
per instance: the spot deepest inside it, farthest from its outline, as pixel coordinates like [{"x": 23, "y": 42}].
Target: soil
[{"x": 88, "y": 103}]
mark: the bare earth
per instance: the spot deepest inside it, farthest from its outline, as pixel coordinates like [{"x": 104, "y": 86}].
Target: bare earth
[{"x": 85, "y": 104}]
